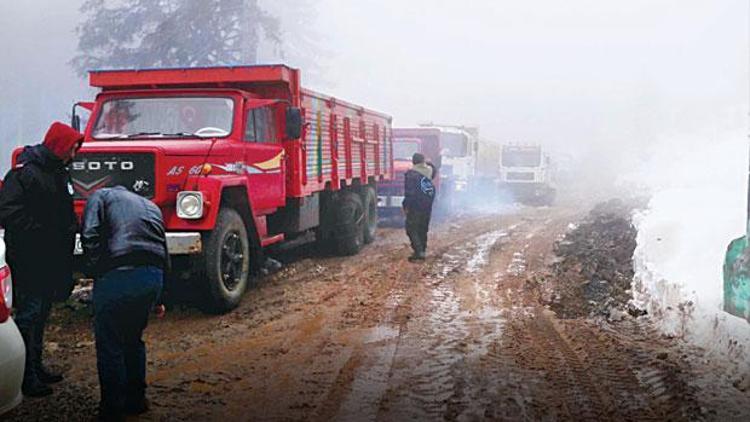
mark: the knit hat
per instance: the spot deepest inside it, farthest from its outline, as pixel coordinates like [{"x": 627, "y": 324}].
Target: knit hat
[{"x": 61, "y": 139}]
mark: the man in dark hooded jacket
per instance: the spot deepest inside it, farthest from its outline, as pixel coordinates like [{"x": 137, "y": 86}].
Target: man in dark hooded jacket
[
  {"x": 36, "y": 210},
  {"x": 419, "y": 193}
]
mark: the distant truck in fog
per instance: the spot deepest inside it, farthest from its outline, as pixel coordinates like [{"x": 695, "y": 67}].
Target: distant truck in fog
[
  {"x": 526, "y": 175},
  {"x": 407, "y": 142},
  {"x": 453, "y": 152},
  {"x": 459, "y": 148}
]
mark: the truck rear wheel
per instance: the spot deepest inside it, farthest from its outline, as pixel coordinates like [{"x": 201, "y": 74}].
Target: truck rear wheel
[
  {"x": 370, "y": 200},
  {"x": 350, "y": 222},
  {"x": 227, "y": 262}
]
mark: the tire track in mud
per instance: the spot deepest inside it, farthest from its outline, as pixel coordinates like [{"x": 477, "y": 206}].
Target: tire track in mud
[
  {"x": 579, "y": 370},
  {"x": 360, "y": 386},
  {"x": 451, "y": 328},
  {"x": 578, "y": 396}
]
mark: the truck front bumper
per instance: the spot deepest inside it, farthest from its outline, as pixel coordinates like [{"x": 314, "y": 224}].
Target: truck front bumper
[
  {"x": 388, "y": 201},
  {"x": 178, "y": 243}
]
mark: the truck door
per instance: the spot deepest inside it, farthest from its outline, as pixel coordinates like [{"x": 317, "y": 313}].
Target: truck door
[{"x": 264, "y": 158}]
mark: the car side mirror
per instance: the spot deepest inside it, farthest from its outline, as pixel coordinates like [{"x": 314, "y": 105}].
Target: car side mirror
[{"x": 293, "y": 123}]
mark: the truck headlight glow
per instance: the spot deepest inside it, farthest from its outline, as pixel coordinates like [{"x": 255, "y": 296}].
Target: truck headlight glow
[{"x": 190, "y": 205}]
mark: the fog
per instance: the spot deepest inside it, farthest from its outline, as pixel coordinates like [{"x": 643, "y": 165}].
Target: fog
[
  {"x": 651, "y": 94},
  {"x": 602, "y": 75},
  {"x": 601, "y": 80}
]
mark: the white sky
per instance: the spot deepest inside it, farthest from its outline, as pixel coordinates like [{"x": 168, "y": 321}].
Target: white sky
[
  {"x": 578, "y": 74},
  {"x": 573, "y": 72}
]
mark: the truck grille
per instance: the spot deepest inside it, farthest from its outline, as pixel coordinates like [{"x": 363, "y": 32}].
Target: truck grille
[
  {"x": 520, "y": 175},
  {"x": 93, "y": 171}
]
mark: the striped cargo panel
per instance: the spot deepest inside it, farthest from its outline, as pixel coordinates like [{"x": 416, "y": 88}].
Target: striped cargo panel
[
  {"x": 318, "y": 145},
  {"x": 367, "y": 130},
  {"x": 341, "y": 147},
  {"x": 384, "y": 149}
]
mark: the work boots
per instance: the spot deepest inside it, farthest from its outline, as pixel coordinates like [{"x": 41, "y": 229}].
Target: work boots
[
  {"x": 33, "y": 387},
  {"x": 417, "y": 256},
  {"x": 47, "y": 376}
]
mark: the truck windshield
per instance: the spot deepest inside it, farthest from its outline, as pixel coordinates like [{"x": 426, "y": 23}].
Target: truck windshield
[
  {"x": 454, "y": 144},
  {"x": 404, "y": 150},
  {"x": 522, "y": 158},
  {"x": 174, "y": 117}
]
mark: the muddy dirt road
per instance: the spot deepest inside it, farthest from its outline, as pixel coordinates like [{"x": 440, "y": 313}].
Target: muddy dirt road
[{"x": 458, "y": 337}]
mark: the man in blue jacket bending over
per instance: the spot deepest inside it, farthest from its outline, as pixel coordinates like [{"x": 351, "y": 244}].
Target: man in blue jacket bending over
[{"x": 125, "y": 249}]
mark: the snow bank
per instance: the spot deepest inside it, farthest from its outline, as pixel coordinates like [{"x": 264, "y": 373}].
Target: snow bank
[{"x": 697, "y": 207}]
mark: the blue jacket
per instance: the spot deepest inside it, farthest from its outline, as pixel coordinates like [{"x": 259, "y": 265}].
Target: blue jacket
[
  {"x": 419, "y": 192},
  {"x": 120, "y": 229}
]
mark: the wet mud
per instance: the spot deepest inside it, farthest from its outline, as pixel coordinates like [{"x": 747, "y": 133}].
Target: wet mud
[{"x": 466, "y": 335}]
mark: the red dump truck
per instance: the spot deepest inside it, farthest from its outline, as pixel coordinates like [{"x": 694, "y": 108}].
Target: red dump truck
[
  {"x": 238, "y": 159},
  {"x": 406, "y": 142}
]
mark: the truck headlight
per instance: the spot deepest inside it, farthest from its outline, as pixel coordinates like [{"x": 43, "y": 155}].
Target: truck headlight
[{"x": 190, "y": 205}]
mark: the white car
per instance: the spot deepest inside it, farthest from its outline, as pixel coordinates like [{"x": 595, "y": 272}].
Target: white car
[{"x": 12, "y": 350}]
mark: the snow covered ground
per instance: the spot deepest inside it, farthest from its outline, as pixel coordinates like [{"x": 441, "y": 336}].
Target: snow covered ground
[{"x": 697, "y": 207}]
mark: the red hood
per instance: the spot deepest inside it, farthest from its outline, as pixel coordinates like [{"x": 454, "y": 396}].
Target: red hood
[
  {"x": 61, "y": 139},
  {"x": 180, "y": 147}
]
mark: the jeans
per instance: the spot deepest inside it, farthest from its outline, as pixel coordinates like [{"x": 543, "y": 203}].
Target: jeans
[
  {"x": 122, "y": 300},
  {"x": 32, "y": 312},
  {"x": 417, "y": 225}
]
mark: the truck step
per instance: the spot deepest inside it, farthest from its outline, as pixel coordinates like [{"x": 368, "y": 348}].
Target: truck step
[{"x": 266, "y": 241}]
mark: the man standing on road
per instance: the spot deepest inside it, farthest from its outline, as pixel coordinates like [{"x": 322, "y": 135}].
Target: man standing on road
[
  {"x": 125, "y": 250},
  {"x": 36, "y": 210},
  {"x": 419, "y": 193}
]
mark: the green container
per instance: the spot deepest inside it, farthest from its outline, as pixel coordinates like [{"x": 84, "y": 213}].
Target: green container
[{"x": 737, "y": 279}]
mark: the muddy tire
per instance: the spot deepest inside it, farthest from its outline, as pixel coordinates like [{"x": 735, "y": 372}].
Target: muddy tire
[
  {"x": 370, "y": 202},
  {"x": 350, "y": 221},
  {"x": 226, "y": 263}
]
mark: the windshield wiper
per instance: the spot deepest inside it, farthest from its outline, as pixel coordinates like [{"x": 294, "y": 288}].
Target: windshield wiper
[
  {"x": 159, "y": 134},
  {"x": 181, "y": 134},
  {"x": 138, "y": 134}
]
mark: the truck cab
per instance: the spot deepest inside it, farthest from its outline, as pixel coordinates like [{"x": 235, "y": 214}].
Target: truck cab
[
  {"x": 459, "y": 148},
  {"x": 407, "y": 142},
  {"x": 526, "y": 175}
]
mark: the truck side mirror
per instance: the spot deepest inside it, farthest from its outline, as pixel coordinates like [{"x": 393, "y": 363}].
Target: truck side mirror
[
  {"x": 75, "y": 119},
  {"x": 293, "y": 123},
  {"x": 75, "y": 122}
]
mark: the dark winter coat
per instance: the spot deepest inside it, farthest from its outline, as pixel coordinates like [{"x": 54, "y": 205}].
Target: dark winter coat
[
  {"x": 419, "y": 192},
  {"x": 36, "y": 210},
  {"x": 121, "y": 229}
]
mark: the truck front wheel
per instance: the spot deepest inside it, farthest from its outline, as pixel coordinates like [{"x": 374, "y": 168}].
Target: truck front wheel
[{"x": 227, "y": 261}]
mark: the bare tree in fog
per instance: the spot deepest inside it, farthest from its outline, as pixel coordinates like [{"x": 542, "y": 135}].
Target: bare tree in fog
[{"x": 169, "y": 33}]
